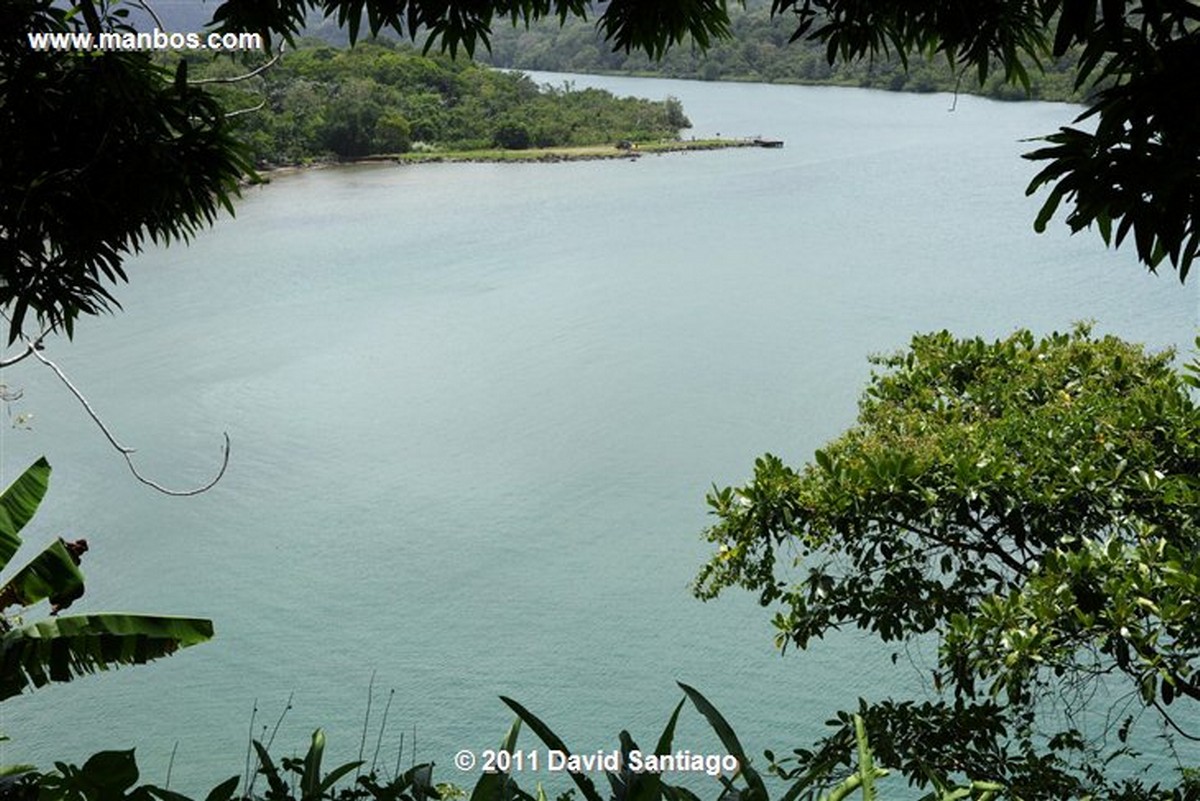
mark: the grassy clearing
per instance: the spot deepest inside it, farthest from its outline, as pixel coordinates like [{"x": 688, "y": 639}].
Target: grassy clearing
[{"x": 579, "y": 153}]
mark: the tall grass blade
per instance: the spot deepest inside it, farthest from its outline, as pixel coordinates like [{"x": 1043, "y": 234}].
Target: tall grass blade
[
  {"x": 755, "y": 789},
  {"x": 552, "y": 740}
]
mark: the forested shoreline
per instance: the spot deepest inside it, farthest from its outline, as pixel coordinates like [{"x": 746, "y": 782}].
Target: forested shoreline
[
  {"x": 759, "y": 51},
  {"x": 324, "y": 102},
  {"x": 321, "y": 103}
]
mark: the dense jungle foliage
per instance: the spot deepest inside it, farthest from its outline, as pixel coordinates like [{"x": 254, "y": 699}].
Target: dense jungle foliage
[
  {"x": 759, "y": 51},
  {"x": 384, "y": 98}
]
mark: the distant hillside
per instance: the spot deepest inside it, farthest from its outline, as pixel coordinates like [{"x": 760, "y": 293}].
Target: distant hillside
[
  {"x": 758, "y": 51},
  {"x": 194, "y": 15},
  {"x": 176, "y": 15}
]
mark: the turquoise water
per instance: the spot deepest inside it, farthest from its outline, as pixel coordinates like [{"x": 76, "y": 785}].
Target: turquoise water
[{"x": 475, "y": 409}]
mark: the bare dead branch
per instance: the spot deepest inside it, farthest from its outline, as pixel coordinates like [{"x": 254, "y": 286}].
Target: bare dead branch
[
  {"x": 30, "y": 346},
  {"x": 18, "y": 358},
  {"x": 244, "y": 77},
  {"x": 127, "y": 452},
  {"x": 239, "y": 112}
]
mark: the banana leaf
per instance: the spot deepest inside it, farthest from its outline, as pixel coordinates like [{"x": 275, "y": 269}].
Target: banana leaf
[
  {"x": 18, "y": 504},
  {"x": 649, "y": 787},
  {"x": 500, "y": 786},
  {"x": 64, "y": 648},
  {"x": 52, "y": 574}
]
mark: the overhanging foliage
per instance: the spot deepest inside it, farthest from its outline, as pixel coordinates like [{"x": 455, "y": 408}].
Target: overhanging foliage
[
  {"x": 103, "y": 151},
  {"x": 1033, "y": 502},
  {"x": 60, "y": 649}
]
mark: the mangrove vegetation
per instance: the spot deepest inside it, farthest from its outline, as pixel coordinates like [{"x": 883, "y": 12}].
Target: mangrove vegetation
[{"x": 324, "y": 103}]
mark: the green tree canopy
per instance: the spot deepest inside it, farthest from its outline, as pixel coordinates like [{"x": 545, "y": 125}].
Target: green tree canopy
[
  {"x": 101, "y": 152},
  {"x": 380, "y": 98},
  {"x": 1033, "y": 504}
]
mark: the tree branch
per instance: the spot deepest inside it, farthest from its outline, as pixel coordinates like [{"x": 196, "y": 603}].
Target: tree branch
[
  {"x": 19, "y": 357},
  {"x": 1171, "y": 722},
  {"x": 245, "y": 77},
  {"x": 239, "y": 112},
  {"x": 127, "y": 452},
  {"x": 30, "y": 346},
  {"x": 995, "y": 549},
  {"x": 905, "y": 526},
  {"x": 992, "y": 546},
  {"x": 33, "y": 347}
]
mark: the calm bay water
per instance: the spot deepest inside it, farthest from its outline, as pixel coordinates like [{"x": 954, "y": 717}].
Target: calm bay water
[{"x": 475, "y": 410}]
